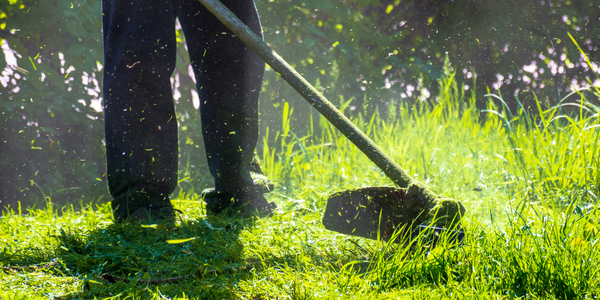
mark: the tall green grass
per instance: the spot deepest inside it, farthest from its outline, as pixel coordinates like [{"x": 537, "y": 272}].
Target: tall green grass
[
  {"x": 485, "y": 158},
  {"x": 528, "y": 178}
]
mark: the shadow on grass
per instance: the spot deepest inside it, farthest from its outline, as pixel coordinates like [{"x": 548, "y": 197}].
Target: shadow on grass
[{"x": 196, "y": 258}]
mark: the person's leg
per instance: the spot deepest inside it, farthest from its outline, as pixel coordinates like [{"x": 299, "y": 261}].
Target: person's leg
[
  {"x": 140, "y": 122},
  {"x": 229, "y": 78}
]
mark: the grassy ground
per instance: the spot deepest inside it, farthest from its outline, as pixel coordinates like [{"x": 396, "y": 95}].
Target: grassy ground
[{"x": 530, "y": 185}]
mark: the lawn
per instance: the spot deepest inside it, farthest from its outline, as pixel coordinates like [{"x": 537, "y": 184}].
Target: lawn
[{"x": 528, "y": 178}]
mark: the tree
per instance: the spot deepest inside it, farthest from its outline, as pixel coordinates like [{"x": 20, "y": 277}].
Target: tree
[
  {"x": 390, "y": 48},
  {"x": 51, "y": 136}
]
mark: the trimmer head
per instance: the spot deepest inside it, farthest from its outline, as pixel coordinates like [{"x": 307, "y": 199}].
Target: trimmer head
[
  {"x": 367, "y": 212},
  {"x": 363, "y": 212}
]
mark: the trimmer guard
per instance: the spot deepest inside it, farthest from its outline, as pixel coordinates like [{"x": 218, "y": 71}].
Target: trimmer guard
[{"x": 365, "y": 212}]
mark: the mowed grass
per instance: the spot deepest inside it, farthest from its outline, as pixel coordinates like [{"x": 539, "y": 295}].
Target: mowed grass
[{"x": 529, "y": 181}]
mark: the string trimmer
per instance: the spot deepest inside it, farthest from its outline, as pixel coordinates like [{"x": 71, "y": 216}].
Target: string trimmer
[{"x": 366, "y": 212}]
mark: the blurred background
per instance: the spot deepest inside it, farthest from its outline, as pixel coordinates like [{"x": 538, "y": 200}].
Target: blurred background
[{"x": 367, "y": 55}]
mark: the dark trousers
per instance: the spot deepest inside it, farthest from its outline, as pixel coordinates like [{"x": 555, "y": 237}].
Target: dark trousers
[{"x": 140, "y": 121}]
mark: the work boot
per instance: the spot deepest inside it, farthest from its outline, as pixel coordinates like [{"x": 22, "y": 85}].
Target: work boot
[
  {"x": 153, "y": 214},
  {"x": 262, "y": 184},
  {"x": 141, "y": 206},
  {"x": 247, "y": 201},
  {"x": 244, "y": 204}
]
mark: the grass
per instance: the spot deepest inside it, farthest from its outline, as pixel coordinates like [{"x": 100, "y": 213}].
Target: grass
[{"x": 529, "y": 180}]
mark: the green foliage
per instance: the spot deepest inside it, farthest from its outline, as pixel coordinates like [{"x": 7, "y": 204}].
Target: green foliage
[
  {"x": 531, "y": 226},
  {"x": 368, "y": 54},
  {"x": 528, "y": 177},
  {"x": 51, "y": 135},
  {"x": 549, "y": 154},
  {"x": 389, "y": 48}
]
